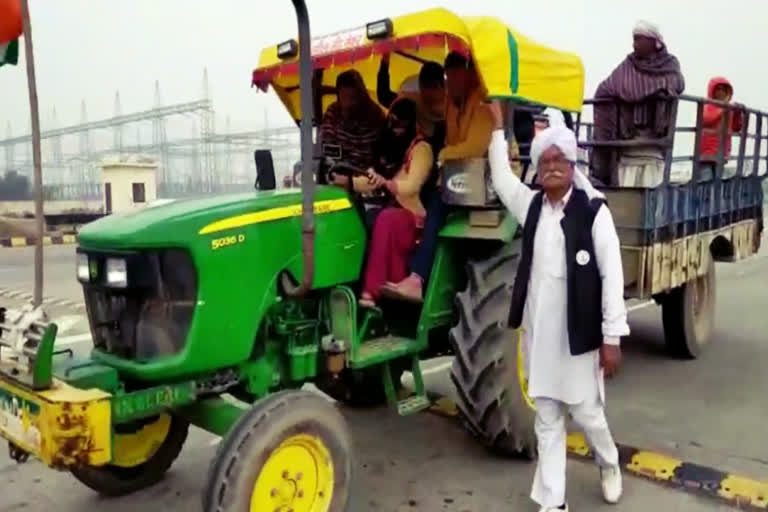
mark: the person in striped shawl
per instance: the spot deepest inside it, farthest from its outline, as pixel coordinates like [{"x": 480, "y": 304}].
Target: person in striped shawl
[{"x": 635, "y": 106}]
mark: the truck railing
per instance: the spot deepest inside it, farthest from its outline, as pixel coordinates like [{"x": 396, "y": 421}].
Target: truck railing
[
  {"x": 677, "y": 206},
  {"x": 756, "y": 131}
]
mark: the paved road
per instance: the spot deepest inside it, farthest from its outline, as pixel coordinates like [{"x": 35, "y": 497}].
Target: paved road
[
  {"x": 710, "y": 411},
  {"x": 17, "y": 271}
]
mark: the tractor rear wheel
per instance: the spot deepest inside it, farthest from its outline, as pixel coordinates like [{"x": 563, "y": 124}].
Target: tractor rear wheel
[
  {"x": 688, "y": 315},
  {"x": 488, "y": 369},
  {"x": 142, "y": 454},
  {"x": 291, "y": 451}
]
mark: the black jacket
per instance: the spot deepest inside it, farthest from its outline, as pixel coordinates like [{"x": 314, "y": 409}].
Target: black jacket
[{"x": 585, "y": 312}]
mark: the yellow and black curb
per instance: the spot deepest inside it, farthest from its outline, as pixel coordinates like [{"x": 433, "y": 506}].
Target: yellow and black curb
[
  {"x": 743, "y": 492},
  {"x": 22, "y": 241}
]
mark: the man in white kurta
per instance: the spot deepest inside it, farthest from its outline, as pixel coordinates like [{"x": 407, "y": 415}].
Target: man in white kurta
[{"x": 558, "y": 381}]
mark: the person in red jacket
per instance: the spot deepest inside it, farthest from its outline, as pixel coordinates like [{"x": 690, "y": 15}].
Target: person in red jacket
[{"x": 719, "y": 89}]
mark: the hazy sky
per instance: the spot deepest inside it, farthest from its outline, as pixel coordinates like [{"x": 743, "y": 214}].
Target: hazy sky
[{"x": 90, "y": 48}]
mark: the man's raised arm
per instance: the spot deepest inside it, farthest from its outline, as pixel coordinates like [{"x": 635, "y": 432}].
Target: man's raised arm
[{"x": 515, "y": 195}]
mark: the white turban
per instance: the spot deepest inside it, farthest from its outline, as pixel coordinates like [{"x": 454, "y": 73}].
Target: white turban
[
  {"x": 564, "y": 139},
  {"x": 559, "y": 136},
  {"x": 554, "y": 116},
  {"x": 648, "y": 29}
]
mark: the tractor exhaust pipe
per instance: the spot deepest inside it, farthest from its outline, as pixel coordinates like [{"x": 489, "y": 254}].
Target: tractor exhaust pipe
[{"x": 307, "y": 180}]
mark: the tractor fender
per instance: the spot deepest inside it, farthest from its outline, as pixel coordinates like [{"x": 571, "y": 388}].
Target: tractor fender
[{"x": 458, "y": 225}]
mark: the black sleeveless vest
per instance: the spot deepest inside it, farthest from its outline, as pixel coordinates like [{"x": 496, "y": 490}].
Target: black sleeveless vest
[{"x": 584, "y": 302}]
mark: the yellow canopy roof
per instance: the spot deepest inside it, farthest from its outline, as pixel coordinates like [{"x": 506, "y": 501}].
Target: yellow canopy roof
[{"x": 510, "y": 65}]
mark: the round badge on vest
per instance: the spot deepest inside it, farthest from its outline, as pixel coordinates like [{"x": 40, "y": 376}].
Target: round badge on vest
[{"x": 582, "y": 257}]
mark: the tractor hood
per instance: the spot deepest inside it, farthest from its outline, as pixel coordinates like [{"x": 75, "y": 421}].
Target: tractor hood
[{"x": 180, "y": 223}]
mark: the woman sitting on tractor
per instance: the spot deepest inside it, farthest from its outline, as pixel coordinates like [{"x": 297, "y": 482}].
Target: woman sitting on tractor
[
  {"x": 353, "y": 122},
  {"x": 403, "y": 166}
]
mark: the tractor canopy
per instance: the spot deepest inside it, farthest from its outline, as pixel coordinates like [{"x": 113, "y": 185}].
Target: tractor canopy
[{"x": 510, "y": 65}]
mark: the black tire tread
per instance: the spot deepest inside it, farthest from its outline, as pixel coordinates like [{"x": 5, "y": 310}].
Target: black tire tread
[
  {"x": 484, "y": 370},
  {"x": 234, "y": 447}
]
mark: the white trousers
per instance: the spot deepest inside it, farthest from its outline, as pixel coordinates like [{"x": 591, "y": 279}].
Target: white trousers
[{"x": 549, "y": 482}]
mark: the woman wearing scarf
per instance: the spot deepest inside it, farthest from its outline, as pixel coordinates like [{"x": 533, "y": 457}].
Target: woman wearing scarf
[
  {"x": 404, "y": 164},
  {"x": 638, "y": 108},
  {"x": 353, "y": 122}
]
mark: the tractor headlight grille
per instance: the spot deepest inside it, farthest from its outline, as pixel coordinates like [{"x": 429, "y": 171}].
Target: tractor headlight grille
[{"x": 140, "y": 304}]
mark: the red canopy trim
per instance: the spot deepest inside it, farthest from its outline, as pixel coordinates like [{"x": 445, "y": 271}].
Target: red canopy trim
[{"x": 262, "y": 77}]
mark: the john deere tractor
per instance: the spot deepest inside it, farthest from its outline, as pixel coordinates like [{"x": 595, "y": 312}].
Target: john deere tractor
[{"x": 214, "y": 312}]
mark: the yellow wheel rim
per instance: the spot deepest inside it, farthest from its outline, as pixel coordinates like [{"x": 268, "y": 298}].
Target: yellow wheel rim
[
  {"x": 297, "y": 477},
  {"x": 521, "y": 376},
  {"x": 131, "y": 450}
]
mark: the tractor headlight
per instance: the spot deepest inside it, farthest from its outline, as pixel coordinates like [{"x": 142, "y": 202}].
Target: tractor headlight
[
  {"x": 381, "y": 29},
  {"x": 288, "y": 49},
  {"x": 117, "y": 273},
  {"x": 83, "y": 271}
]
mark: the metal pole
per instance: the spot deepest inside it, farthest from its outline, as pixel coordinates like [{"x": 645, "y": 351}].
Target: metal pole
[
  {"x": 307, "y": 178},
  {"x": 38, "y": 171}
]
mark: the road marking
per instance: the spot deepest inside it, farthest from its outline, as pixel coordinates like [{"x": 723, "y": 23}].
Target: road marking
[{"x": 671, "y": 471}]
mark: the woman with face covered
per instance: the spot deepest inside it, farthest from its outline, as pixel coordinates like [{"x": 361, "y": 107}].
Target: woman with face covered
[{"x": 404, "y": 162}]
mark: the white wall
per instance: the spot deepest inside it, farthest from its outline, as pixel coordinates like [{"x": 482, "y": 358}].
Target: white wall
[{"x": 122, "y": 179}]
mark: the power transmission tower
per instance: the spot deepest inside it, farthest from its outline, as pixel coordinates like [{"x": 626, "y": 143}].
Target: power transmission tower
[
  {"x": 207, "y": 130},
  {"x": 117, "y": 131},
  {"x": 84, "y": 146},
  {"x": 9, "y": 149},
  {"x": 160, "y": 138}
]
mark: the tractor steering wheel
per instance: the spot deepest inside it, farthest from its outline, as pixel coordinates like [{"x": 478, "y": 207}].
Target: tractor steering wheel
[{"x": 345, "y": 169}]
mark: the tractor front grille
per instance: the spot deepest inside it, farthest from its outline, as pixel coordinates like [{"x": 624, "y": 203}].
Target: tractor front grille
[{"x": 149, "y": 318}]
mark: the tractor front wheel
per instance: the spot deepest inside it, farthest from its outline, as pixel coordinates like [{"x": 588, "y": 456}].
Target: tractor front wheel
[
  {"x": 141, "y": 455},
  {"x": 291, "y": 451},
  {"x": 488, "y": 369}
]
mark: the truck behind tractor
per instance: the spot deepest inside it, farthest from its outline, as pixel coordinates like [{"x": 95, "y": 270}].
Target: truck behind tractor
[{"x": 214, "y": 312}]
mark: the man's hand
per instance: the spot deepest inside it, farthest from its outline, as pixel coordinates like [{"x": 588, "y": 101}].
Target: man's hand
[
  {"x": 497, "y": 113},
  {"x": 610, "y": 359}
]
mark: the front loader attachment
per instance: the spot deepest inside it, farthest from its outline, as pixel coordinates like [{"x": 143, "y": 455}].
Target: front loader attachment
[
  {"x": 26, "y": 342},
  {"x": 59, "y": 424}
]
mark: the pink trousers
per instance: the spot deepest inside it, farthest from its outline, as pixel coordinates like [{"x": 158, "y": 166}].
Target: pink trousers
[{"x": 393, "y": 239}]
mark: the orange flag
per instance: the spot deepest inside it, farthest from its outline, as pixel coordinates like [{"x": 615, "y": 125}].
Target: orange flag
[
  {"x": 10, "y": 30},
  {"x": 10, "y": 20}
]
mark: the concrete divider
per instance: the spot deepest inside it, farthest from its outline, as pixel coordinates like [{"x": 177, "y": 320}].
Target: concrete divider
[{"x": 25, "y": 241}]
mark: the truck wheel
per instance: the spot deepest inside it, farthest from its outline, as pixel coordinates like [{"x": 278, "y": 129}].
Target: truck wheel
[
  {"x": 142, "y": 454},
  {"x": 488, "y": 366},
  {"x": 291, "y": 451},
  {"x": 688, "y": 315}
]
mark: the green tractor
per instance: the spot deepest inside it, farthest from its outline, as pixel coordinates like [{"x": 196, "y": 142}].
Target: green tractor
[{"x": 214, "y": 312}]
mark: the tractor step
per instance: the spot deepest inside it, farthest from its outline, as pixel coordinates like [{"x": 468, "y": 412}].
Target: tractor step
[
  {"x": 412, "y": 405},
  {"x": 379, "y": 350}
]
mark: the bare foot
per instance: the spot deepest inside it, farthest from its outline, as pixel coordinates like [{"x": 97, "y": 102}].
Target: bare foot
[{"x": 409, "y": 289}]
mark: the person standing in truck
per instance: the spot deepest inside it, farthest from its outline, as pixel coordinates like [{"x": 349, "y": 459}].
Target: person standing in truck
[
  {"x": 568, "y": 298},
  {"x": 719, "y": 89},
  {"x": 634, "y": 103}
]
